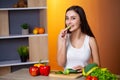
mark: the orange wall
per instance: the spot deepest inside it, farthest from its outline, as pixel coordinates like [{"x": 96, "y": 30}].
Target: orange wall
[
  {"x": 109, "y": 38},
  {"x": 104, "y": 25}
]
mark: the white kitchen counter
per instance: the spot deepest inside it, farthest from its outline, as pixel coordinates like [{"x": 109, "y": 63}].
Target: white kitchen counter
[{"x": 23, "y": 74}]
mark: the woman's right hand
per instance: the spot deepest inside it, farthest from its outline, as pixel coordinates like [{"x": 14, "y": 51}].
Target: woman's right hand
[
  {"x": 62, "y": 37},
  {"x": 63, "y": 34}
]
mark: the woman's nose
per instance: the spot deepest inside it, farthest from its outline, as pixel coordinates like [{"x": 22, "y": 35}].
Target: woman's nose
[{"x": 69, "y": 22}]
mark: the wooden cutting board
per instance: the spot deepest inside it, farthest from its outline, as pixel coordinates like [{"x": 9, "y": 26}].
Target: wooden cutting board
[{"x": 71, "y": 76}]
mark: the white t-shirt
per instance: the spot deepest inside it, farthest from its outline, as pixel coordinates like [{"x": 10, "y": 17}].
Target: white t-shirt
[{"x": 77, "y": 56}]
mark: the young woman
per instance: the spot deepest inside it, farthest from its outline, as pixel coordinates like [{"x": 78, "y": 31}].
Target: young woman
[{"x": 76, "y": 45}]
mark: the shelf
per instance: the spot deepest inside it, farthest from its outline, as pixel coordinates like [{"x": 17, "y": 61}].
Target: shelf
[
  {"x": 30, "y": 8},
  {"x": 18, "y": 62},
  {"x": 21, "y": 36}
]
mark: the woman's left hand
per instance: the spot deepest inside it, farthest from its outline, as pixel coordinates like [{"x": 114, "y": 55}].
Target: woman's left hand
[{"x": 78, "y": 68}]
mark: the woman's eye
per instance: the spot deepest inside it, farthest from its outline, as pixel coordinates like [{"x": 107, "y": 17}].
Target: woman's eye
[
  {"x": 66, "y": 18},
  {"x": 73, "y": 18}
]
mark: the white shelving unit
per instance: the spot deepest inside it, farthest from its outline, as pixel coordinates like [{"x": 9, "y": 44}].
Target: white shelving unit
[
  {"x": 18, "y": 62},
  {"x": 30, "y": 8},
  {"x": 37, "y": 43},
  {"x": 21, "y": 36}
]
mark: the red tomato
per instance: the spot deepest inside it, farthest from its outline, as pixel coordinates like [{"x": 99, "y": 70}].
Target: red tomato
[
  {"x": 44, "y": 70},
  {"x": 94, "y": 78},
  {"x": 88, "y": 78},
  {"x": 34, "y": 71},
  {"x": 91, "y": 78}
]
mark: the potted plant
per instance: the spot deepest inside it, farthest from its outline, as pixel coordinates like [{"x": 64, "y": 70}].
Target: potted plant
[
  {"x": 25, "y": 28},
  {"x": 24, "y": 53}
]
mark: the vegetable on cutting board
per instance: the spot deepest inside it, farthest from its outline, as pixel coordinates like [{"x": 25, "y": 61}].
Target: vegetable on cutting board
[
  {"x": 59, "y": 72},
  {"x": 67, "y": 71}
]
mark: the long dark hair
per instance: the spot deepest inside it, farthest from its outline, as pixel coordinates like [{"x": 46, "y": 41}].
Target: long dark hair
[{"x": 85, "y": 28}]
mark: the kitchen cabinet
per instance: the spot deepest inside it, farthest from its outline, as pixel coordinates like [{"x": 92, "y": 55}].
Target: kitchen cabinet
[{"x": 10, "y": 32}]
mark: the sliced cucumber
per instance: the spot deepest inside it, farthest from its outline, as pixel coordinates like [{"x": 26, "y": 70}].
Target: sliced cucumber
[
  {"x": 59, "y": 72},
  {"x": 68, "y": 71}
]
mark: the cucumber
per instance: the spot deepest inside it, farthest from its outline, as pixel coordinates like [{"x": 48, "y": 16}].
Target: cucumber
[
  {"x": 59, "y": 72},
  {"x": 68, "y": 27},
  {"x": 68, "y": 71}
]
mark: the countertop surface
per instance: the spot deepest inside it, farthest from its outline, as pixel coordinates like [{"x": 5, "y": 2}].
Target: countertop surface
[{"x": 23, "y": 74}]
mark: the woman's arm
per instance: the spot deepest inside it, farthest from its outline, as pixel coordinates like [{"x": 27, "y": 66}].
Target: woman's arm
[
  {"x": 94, "y": 50},
  {"x": 61, "y": 52}
]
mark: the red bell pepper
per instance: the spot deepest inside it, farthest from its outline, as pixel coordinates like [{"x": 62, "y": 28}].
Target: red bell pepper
[
  {"x": 34, "y": 71},
  {"x": 44, "y": 70}
]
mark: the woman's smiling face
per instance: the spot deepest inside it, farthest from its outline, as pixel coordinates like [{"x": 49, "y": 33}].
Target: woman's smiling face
[{"x": 72, "y": 19}]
